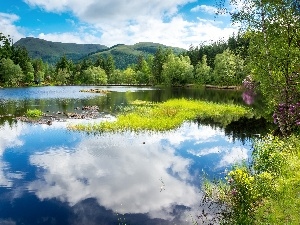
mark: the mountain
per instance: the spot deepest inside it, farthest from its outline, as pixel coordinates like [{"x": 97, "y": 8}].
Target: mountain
[
  {"x": 125, "y": 55},
  {"x": 51, "y": 52}
]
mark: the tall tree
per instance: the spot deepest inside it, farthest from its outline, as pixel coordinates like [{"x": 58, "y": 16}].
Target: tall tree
[
  {"x": 157, "y": 65},
  {"x": 6, "y": 49},
  {"x": 11, "y": 74},
  {"x": 203, "y": 72},
  {"x": 109, "y": 66},
  {"x": 177, "y": 70},
  {"x": 229, "y": 69},
  {"x": 274, "y": 28}
]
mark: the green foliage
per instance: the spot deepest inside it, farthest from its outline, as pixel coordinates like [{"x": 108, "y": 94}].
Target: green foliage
[
  {"x": 166, "y": 116},
  {"x": 238, "y": 44},
  {"x": 6, "y": 49},
  {"x": 203, "y": 72},
  {"x": 11, "y": 74},
  {"x": 94, "y": 75},
  {"x": 177, "y": 70},
  {"x": 62, "y": 76},
  {"x": 28, "y": 73},
  {"x": 125, "y": 55},
  {"x": 269, "y": 155},
  {"x": 129, "y": 76},
  {"x": 268, "y": 191},
  {"x": 274, "y": 29},
  {"x": 159, "y": 59},
  {"x": 229, "y": 69},
  {"x": 34, "y": 113}
]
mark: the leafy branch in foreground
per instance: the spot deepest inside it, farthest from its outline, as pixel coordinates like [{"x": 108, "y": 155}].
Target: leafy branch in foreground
[{"x": 167, "y": 116}]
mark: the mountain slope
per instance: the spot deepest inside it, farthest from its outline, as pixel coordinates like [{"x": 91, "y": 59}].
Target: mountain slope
[
  {"x": 51, "y": 52},
  {"x": 125, "y": 55}
]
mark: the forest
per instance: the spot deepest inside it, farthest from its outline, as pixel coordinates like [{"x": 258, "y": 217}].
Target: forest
[{"x": 218, "y": 63}]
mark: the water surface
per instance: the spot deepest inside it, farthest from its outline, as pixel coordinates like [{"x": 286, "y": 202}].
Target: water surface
[{"x": 50, "y": 175}]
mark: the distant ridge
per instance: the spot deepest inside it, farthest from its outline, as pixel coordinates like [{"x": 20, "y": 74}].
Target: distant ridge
[
  {"x": 123, "y": 55},
  {"x": 51, "y": 52}
]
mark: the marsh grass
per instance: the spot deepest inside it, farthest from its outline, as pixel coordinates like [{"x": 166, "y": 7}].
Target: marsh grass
[
  {"x": 283, "y": 206},
  {"x": 267, "y": 192},
  {"x": 147, "y": 116},
  {"x": 34, "y": 113}
]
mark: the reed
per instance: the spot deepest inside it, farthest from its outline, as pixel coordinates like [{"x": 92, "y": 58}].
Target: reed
[{"x": 147, "y": 116}]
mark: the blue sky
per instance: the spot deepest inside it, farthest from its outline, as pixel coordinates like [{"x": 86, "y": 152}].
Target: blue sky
[{"x": 177, "y": 23}]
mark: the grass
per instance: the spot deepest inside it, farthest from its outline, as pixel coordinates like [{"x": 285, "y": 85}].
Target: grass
[
  {"x": 283, "y": 207},
  {"x": 269, "y": 191},
  {"x": 34, "y": 113},
  {"x": 141, "y": 116}
]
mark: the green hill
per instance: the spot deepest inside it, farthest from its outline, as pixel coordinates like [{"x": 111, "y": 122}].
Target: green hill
[
  {"x": 125, "y": 55},
  {"x": 51, "y": 52}
]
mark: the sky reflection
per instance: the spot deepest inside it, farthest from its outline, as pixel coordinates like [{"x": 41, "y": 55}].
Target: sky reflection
[{"x": 154, "y": 175}]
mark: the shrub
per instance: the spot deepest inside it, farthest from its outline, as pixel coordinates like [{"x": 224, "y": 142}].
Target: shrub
[{"x": 34, "y": 113}]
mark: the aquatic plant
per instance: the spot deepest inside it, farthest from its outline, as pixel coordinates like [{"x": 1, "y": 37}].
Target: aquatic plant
[
  {"x": 267, "y": 191},
  {"x": 167, "y": 115},
  {"x": 34, "y": 113}
]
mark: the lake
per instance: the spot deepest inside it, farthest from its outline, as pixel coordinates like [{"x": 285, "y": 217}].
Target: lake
[{"x": 51, "y": 175}]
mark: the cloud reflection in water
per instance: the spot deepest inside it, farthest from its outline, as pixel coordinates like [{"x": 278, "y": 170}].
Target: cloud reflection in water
[
  {"x": 121, "y": 172},
  {"x": 130, "y": 173},
  {"x": 9, "y": 138}
]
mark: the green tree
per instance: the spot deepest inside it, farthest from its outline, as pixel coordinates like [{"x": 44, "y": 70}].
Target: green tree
[
  {"x": 274, "y": 31},
  {"x": 61, "y": 76},
  {"x": 117, "y": 77},
  {"x": 159, "y": 59},
  {"x": 177, "y": 70},
  {"x": 20, "y": 57},
  {"x": 28, "y": 72},
  {"x": 143, "y": 71},
  {"x": 129, "y": 76},
  {"x": 62, "y": 64},
  {"x": 203, "y": 72},
  {"x": 229, "y": 69},
  {"x": 100, "y": 61},
  {"x": 6, "y": 49},
  {"x": 39, "y": 70},
  {"x": 109, "y": 66},
  {"x": 94, "y": 75},
  {"x": 11, "y": 74}
]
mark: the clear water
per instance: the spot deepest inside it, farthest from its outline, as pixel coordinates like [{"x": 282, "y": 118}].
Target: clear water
[{"x": 50, "y": 175}]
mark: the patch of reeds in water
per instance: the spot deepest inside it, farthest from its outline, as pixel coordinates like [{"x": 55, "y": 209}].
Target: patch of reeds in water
[{"x": 166, "y": 116}]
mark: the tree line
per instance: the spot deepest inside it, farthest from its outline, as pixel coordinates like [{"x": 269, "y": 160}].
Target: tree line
[{"x": 218, "y": 63}]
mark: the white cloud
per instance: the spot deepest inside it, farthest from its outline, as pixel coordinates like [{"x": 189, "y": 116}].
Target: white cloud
[
  {"x": 234, "y": 155},
  {"x": 9, "y": 137},
  {"x": 79, "y": 38},
  {"x": 122, "y": 173},
  {"x": 206, "y": 151},
  {"x": 118, "y": 21},
  {"x": 205, "y": 8},
  {"x": 7, "y": 26},
  {"x": 94, "y": 11}
]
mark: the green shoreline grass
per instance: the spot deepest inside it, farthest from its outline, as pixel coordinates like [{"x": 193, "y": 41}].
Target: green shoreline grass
[
  {"x": 34, "y": 113},
  {"x": 266, "y": 193},
  {"x": 146, "y": 116}
]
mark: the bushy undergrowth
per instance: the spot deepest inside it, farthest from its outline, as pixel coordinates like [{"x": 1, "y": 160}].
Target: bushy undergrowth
[
  {"x": 34, "y": 113},
  {"x": 268, "y": 191},
  {"x": 168, "y": 115}
]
